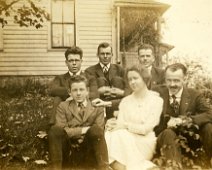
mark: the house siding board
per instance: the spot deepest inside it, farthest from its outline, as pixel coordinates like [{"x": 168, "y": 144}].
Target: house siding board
[
  {"x": 26, "y": 49},
  {"x": 94, "y": 24}
]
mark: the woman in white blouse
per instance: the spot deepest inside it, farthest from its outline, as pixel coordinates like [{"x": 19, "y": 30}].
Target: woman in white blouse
[{"x": 131, "y": 140}]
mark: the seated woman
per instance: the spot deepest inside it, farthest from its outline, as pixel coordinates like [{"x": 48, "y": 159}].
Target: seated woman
[{"x": 131, "y": 140}]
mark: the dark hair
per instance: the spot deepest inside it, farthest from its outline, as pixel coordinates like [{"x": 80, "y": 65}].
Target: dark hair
[
  {"x": 177, "y": 66},
  {"x": 143, "y": 72},
  {"x": 103, "y": 45},
  {"x": 73, "y": 50},
  {"x": 146, "y": 46},
  {"x": 77, "y": 79}
]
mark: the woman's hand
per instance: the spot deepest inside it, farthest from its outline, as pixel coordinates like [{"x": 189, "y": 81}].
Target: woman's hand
[
  {"x": 110, "y": 124},
  {"x": 120, "y": 126}
]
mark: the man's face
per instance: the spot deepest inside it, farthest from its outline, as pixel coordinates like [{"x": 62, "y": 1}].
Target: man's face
[
  {"x": 79, "y": 91},
  {"x": 105, "y": 55},
  {"x": 74, "y": 63},
  {"x": 174, "y": 80},
  {"x": 145, "y": 57}
]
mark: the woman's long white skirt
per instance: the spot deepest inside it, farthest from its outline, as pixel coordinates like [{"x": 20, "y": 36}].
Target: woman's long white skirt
[{"x": 132, "y": 150}]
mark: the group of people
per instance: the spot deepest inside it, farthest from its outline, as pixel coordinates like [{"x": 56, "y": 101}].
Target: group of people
[{"x": 111, "y": 118}]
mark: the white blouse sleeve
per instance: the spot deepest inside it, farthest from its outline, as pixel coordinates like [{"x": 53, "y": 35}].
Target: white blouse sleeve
[{"x": 122, "y": 112}]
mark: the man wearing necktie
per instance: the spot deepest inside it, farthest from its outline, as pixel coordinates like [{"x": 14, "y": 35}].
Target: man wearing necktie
[
  {"x": 110, "y": 80},
  {"x": 58, "y": 88},
  {"x": 78, "y": 123},
  {"x": 179, "y": 102}
]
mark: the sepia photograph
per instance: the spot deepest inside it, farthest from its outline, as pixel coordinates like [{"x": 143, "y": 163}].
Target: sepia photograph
[{"x": 105, "y": 85}]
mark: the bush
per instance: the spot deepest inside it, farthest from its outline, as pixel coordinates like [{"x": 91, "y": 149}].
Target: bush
[{"x": 24, "y": 115}]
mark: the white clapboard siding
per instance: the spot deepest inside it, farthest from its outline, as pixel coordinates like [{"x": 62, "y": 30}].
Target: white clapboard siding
[
  {"x": 7, "y": 41},
  {"x": 26, "y": 50},
  {"x": 94, "y": 25}
]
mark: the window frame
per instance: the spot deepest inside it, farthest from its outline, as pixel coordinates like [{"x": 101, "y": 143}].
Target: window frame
[{"x": 62, "y": 24}]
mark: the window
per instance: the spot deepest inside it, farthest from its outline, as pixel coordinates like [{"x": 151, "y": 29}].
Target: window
[{"x": 63, "y": 24}]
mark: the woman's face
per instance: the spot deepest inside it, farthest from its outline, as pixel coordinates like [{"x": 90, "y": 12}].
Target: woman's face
[{"x": 135, "y": 81}]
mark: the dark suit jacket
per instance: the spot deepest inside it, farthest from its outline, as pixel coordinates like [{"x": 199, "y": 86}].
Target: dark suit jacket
[
  {"x": 157, "y": 77},
  {"x": 67, "y": 116},
  {"x": 192, "y": 103},
  {"x": 115, "y": 71},
  {"x": 58, "y": 87}
]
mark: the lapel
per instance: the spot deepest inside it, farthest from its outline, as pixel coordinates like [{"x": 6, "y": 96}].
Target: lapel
[
  {"x": 165, "y": 96},
  {"x": 99, "y": 71},
  {"x": 185, "y": 100},
  {"x": 155, "y": 75},
  {"x": 112, "y": 71},
  {"x": 66, "y": 78},
  {"x": 73, "y": 108},
  {"x": 89, "y": 109}
]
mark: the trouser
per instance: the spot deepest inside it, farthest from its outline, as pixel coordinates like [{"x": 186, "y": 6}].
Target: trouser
[
  {"x": 173, "y": 152},
  {"x": 92, "y": 152}
]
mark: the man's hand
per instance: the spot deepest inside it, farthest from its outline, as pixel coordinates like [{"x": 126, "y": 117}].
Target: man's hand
[
  {"x": 174, "y": 122},
  {"x": 116, "y": 92},
  {"x": 104, "y": 90},
  {"x": 100, "y": 103},
  {"x": 85, "y": 129}
]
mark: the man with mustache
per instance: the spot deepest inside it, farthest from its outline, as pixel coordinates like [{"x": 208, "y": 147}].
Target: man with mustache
[
  {"x": 146, "y": 58},
  {"x": 181, "y": 102},
  {"x": 59, "y": 86}
]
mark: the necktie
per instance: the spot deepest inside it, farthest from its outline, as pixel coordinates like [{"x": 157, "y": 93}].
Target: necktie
[
  {"x": 81, "y": 110},
  {"x": 105, "y": 69},
  {"x": 175, "y": 105}
]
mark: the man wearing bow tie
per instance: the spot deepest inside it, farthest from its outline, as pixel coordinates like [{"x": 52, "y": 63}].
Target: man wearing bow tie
[
  {"x": 77, "y": 137},
  {"x": 179, "y": 102},
  {"x": 109, "y": 78},
  {"x": 59, "y": 86}
]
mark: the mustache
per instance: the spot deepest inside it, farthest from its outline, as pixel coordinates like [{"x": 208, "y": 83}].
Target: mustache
[{"x": 173, "y": 87}]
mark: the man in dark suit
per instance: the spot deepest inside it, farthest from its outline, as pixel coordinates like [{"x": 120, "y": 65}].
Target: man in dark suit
[
  {"x": 180, "y": 103},
  {"x": 146, "y": 57},
  {"x": 109, "y": 78},
  {"x": 78, "y": 124},
  {"x": 59, "y": 86}
]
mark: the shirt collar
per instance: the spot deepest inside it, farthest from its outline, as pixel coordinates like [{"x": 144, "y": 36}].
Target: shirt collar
[
  {"x": 84, "y": 103},
  {"x": 102, "y": 65},
  {"x": 179, "y": 94},
  {"x": 150, "y": 68},
  {"x": 78, "y": 73}
]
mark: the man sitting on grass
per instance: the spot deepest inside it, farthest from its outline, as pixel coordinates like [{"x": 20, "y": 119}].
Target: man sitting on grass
[{"x": 78, "y": 124}]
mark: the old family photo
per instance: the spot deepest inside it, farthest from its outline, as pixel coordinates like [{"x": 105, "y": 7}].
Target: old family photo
[{"x": 105, "y": 84}]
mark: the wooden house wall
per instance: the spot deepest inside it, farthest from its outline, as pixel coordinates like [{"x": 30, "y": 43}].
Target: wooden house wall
[{"x": 27, "y": 51}]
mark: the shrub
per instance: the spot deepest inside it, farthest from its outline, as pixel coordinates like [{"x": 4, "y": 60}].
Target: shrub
[{"x": 24, "y": 114}]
